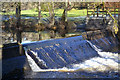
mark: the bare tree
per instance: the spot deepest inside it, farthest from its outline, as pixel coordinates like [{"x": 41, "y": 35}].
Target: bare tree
[
  {"x": 51, "y": 25},
  {"x": 51, "y": 13},
  {"x": 67, "y": 7},
  {"x": 39, "y": 12},
  {"x": 18, "y": 24},
  {"x": 64, "y": 15},
  {"x": 39, "y": 20}
]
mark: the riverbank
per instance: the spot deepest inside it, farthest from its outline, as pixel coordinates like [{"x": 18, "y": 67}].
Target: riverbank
[{"x": 58, "y": 13}]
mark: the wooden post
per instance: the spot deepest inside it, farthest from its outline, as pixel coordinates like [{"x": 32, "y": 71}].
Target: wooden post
[{"x": 20, "y": 49}]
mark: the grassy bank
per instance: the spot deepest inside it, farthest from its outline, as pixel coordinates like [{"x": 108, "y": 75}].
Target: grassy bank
[{"x": 58, "y": 12}]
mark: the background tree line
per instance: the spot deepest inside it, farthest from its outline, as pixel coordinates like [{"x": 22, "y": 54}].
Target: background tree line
[{"x": 63, "y": 26}]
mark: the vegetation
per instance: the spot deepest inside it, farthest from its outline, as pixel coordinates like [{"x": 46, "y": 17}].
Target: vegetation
[
  {"x": 58, "y": 12},
  {"x": 45, "y": 9}
]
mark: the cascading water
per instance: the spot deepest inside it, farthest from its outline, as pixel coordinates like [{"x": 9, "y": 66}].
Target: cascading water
[{"x": 71, "y": 55}]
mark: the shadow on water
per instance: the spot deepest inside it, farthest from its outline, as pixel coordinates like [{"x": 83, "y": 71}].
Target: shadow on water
[
  {"x": 14, "y": 64},
  {"x": 13, "y": 68}
]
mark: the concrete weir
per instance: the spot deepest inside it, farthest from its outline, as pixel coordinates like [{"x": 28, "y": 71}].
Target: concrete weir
[
  {"x": 59, "y": 53},
  {"x": 53, "y": 55}
]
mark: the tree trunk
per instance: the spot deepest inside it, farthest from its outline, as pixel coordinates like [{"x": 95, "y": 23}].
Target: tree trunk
[
  {"x": 51, "y": 13},
  {"x": 118, "y": 34},
  {"x": 119, "y": 16},
  {"x": 40, "y": 36},
  {"x": 39, "y": 19},
  {"x": 18, "y": 25},
  {"x": 66, "y": 5},
  {"x": 64, "y": 15},
  {"x": 39, "y": 12}
]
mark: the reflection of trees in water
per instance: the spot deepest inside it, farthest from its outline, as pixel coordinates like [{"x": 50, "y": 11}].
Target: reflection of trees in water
[
  {"x": 30, "y": 25},
  {"x": 18, "y": 25}
]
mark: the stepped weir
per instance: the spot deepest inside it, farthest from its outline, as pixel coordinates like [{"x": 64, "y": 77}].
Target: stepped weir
[
  {"x": 60, "y": 52},
  {"x": 55, "y": 54}
]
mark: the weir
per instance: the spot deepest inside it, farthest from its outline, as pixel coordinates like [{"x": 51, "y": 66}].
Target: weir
[
  {"x": 59, "y": 53},
  {"x": 91, "y": 52}
]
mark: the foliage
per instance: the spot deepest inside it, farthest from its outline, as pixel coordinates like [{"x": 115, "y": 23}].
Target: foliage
[{"x": 31, "y": 8}]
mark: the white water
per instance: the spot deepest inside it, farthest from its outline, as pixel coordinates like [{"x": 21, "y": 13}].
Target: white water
[{"x": 106, "y": 62}]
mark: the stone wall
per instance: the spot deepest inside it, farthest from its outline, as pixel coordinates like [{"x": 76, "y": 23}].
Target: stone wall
[
  {"x": 97, "y": 23},
  {"x": 97, "y": 34}
]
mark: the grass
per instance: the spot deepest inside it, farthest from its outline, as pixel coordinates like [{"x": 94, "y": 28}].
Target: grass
[{"x": 58, "y": 12}]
